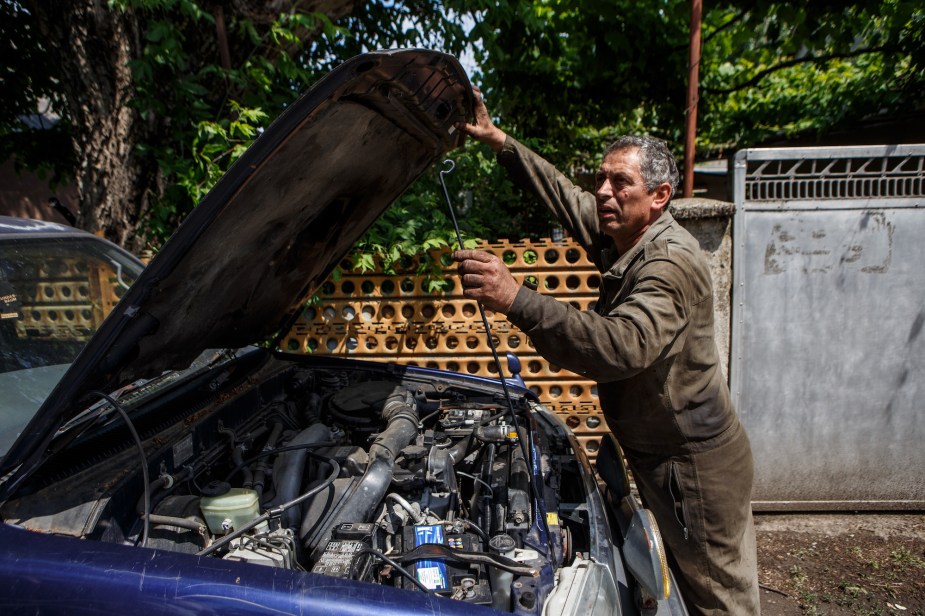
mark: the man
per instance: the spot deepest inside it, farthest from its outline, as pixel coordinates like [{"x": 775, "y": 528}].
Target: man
[{"x": 649, "y": 344}]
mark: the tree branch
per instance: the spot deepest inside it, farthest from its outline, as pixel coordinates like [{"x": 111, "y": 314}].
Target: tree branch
[
  {"x": 736, "y": 19},
  {"x": 221, "y": 36},
  {"x": 796, "y": 61}
]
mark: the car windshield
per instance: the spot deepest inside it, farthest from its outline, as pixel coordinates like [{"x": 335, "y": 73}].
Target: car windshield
[{"x": 54, "y": 294}]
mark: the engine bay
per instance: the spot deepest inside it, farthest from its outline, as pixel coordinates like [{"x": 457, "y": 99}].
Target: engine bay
[{"x": 403, "y": 481}]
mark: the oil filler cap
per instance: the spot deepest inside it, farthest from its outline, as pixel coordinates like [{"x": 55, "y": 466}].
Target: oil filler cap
[{"x": 216, "y": 488}]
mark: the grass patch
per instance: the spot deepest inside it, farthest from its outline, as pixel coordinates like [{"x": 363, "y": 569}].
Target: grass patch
[{"x": 904, "y": 559}]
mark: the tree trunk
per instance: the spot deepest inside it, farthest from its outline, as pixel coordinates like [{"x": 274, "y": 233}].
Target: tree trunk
[{"x": 92, "y": 45}]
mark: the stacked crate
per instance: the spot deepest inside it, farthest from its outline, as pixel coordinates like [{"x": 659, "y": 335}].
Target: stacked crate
[
  {"x": 396, "y": 319},
  {"x": 68, "y": 301}
]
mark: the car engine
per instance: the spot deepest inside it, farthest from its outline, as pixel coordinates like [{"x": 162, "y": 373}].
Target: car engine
[
  {"x": 420, "y": 488},
  {"x": 408, "y": 481}
]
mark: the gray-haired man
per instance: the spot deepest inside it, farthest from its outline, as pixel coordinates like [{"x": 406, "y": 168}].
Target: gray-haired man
[{"x": 650, "y": 345}]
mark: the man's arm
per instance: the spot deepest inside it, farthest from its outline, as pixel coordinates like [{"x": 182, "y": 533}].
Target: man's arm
[
  {"x": 649, "y": 326},
  {"x": 575, "y": 208}
]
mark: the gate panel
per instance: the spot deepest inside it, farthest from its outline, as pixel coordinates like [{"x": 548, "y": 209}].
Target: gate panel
[{"x": 828, "y": 349}]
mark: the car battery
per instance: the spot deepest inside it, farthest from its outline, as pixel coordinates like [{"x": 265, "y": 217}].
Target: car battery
[
  {"x": 346, "y": 555},
  {"x": 467, "y": 582}
]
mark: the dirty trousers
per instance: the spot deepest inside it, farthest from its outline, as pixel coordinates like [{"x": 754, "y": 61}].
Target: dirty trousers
[{"x": 701, "y": 501}]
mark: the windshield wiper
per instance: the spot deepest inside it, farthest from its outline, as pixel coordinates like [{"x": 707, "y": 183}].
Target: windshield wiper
[
  {"x": 130, "y": 395},
  {"x": 102, "y": 411}
]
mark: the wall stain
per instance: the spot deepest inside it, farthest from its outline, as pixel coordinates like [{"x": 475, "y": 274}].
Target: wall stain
[
  {"x": 796, "y": 246},
  {"x": 881, "y": 222},
  {"x": 852, "y": 254},
  {"x": 771, "y": 264},
  {"x": 916, "y": 326}
]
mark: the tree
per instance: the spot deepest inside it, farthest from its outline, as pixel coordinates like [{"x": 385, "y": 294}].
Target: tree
[
  {"x": 157, "y": 97},
  {"x": 554, "y": 71},
  {"x": 575, "y": 73},
  {"x": 774, "y": 69}
]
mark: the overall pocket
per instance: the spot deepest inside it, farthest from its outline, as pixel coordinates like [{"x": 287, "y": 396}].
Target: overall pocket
[{"x": 677, "y": 496}]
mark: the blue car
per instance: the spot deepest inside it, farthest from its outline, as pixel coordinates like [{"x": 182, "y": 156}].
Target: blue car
[{"x": 160, "y": 455}]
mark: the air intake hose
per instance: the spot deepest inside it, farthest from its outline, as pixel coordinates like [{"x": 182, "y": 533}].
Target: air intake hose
[
  {"x": 290, "y": 468},
  {"x": 402, "y": 428}
]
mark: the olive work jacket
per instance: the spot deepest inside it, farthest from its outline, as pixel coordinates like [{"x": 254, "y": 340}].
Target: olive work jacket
[{"x": 649, "y": 342}]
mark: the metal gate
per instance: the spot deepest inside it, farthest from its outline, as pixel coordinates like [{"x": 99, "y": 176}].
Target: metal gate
[{"x": 828, "y": 349}]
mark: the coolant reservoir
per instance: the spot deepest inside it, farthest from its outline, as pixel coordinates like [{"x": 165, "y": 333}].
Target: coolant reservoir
[{"x": 230, "y": 511}]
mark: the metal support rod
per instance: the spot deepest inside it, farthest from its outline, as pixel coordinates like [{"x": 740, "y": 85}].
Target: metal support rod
[
  {"x": 693, "y": 84},
  {"x": 494, "y": 353},
  {"x": 491, "y": 342}
]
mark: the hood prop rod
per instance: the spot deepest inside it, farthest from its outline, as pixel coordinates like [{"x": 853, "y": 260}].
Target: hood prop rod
[
  {"x": 491, "y": 342},
  {"x": 494, "y": 352}
]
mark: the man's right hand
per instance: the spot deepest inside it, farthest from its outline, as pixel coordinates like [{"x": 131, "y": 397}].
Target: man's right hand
[
  {"x": 484, "y": 130},
  {"x": 486, "y": 279}
]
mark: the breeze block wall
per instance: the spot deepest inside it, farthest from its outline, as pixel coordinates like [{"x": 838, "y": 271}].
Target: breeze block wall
[{"x": 394, "y": 318}]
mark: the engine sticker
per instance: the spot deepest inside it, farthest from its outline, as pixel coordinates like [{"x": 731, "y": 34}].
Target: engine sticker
[
  {"x": 183, "y": 450},
  {"x": 430, "y": 573},
  {"x": 340, "y": 559},
  {"x": 432, "y": 577}
]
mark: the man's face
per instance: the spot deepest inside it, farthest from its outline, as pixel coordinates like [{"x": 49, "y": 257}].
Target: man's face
[{"x": 625, "y": 209}]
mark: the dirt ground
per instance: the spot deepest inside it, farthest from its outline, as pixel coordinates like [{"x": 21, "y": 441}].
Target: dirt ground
[{"x": 846, "y": 564}]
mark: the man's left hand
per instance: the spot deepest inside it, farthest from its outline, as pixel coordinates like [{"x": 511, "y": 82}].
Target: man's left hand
[{"x": 486, "y": 279}]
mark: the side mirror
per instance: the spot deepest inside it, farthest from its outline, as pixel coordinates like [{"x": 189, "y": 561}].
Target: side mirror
[{"x": 612, "y": 469}]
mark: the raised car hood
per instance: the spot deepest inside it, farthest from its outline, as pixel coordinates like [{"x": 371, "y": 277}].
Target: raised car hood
[{"x": 242, "y": 264}]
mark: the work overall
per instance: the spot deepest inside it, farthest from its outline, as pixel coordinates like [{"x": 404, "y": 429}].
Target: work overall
[{"x": 649, "y": 343}]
